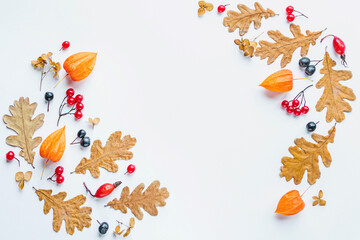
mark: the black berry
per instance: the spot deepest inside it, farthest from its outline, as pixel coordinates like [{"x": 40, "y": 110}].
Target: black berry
[
  {"x": 49, "y": 96},
  {"x": 311, "y": 126},
  {"x": 309, "y": 70},
  {"x": 81, "y": 133},
  {"x": 304, "y": 62},
  {"x": 85, "y": 142},
  {"x": 103, "y": 228}
]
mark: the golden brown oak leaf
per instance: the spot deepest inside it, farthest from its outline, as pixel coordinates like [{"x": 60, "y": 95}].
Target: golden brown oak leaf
[
  {"x": 68, "y": 211},
  {"x": 306, "y": 157},
  {"x": 23, "y": 123},
  {"x": 105, "y": 157},
  {"x": 245, "y": 17},
  {"x": 151, "y": 198},
  {"x": 286, "y": 46},
  {"x": 334, "y": 93}
]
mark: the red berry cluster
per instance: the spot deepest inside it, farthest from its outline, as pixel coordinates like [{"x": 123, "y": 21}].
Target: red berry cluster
[
  {"x": 58, "y": 172},
  {"x": 75, "y": 102},
  {"x": 295, "y": 106},
  {"x": 290, "y": 16}
]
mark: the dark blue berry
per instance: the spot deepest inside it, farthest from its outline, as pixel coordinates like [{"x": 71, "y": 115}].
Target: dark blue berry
[
  {"x": 304, "y": 62},
  {"x": 309, "y": 70},
  {"x": 103, "y": 228},
  {"x": 311, "y": 126},
  {"x": 85, "y": 142},
  {"x": 81, "y": 133},
  {"x": 49, "y": 96}
]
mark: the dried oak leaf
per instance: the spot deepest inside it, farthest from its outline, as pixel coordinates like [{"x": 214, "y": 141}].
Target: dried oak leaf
[
  {"x": 334, "y": 93},
  {"x": 306, "y": 157},
  {"x": 22, "y": 123},
  {"x": 246, "y": 16},
  {"x": 151, "y": 198},
  {"x": 105, "y": 157},
  {"x": 286, "y": 46},
  {"x": 21, "y": 178},
  {"x": 68, "y": 211}
]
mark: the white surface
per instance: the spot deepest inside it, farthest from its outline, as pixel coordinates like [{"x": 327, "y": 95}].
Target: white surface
[{"x": 205, "y": 129}]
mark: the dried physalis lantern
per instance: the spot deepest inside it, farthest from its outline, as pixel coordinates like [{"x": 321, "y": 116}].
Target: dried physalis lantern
[
  {"x": 290, "y": 204},
  {"x": 53, "y": 147},
  {"x": 280, "y": 81},
  {"x": 79, "y": 65},
  {"x": 21, "y": 178}
]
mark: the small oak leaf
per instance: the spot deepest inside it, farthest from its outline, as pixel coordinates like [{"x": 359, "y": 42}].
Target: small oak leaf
[
  {"x": 151, "y": 198},
  {"x": 334, "y": 94},
  {"x": 22, "y": 122},
  {"x": 116, "y": 148},
  {"x": 246, "y": 16},
  {"x": 286, "y": 46},
  {"x": 94, "y": 121},
  {"x": 306, "y": 157},
  {"x": 68, "y": 211}
]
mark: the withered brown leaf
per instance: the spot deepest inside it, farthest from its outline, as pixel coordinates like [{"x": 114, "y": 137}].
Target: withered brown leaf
[
  {"x": 105, "y": 157},
  {"x": 204, "y": 6},
  {"x": 247, "y": 46},
  {"x": 21, "y": 178},
  {"x": 68, "y": 211},
  {"x": 334, "y": 93},
  {"x": 245, "y": 17},
  {"x": 286, "y": 46},
  {"x": 23, "y": 123},
  {"x": 318, "y": 199},
  {"x": 151, "y": 198},
  {"x": 306, "y": 157}
]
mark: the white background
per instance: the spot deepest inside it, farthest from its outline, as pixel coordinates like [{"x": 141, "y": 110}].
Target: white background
[{"x": 204, "y": 127}]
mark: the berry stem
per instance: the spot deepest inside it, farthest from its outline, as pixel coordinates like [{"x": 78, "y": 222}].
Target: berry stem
[
  {"x": 300, "y": 13},
  {"x": 17, "y": 160},
  {"x": 327, "y": 36},
  {"x": 50, "y": 178},
  {"x": 87, "y": 190},
  {"x": 122, "y": 224}
]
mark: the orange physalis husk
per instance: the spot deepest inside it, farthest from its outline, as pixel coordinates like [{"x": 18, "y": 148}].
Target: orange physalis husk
[
  {"x": 280, "y": 81},
  {"x": 79, "y": 65},
  {"x": 290, "y": 204},
  {"x": 53, "y": 147}
]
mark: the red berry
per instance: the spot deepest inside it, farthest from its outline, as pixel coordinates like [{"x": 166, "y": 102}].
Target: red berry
[
  {"x": 297, "y": 111},
  {"x": 339, "y": 46},
  {"x": 305, "y": 109},
  {"x": 60, "y": 179},
  {"x": 78, "y": 114},
  {"x": 131, "y": 168},
  {"x": 290, "y": 109},
  {"x": 285, "y": 104},
  {"x": 290, "y": 17},
  {"x": 10, "y": 155},
  {"x": 221, "y": 8},
  {"x": 79, "y": 106},
  {"x": 71, "y": 100},
  {"x": 59, "y": 170},
  {"x": 289, "y": 9},
  {"x": 70, "y": 92},
  {"x": 79, "y": 98},
  {"x": 295, "y": 103},
  {"x": 66, "y": 44}
]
